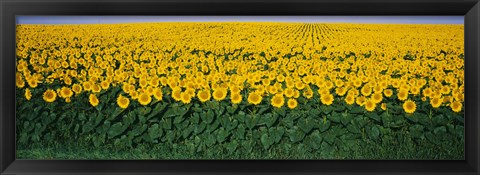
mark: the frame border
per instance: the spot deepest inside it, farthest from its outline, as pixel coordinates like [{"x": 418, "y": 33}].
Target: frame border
[{"x": 9, "y": 8}]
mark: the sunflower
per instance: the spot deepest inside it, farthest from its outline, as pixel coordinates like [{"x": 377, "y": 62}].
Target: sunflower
[
  {"x": 186, "y": 97},
  {"x": 350, "y": 99},
  {"x": 445, "y": 90},
  {"x": 409, "y": 106},
  {"x": 123, "y": 102},
  {"x": 158, "y": 94},
  {"x": 388, "y": 92},
  {"x": 327, "y": 99},
  {"x": 176, "y": 93},
  {"x": 144, "y": 99},
  {"x": 87, "y": 86},
  {"x": 105, "y": 85},
  {"x": 341, "y": 91},
  {"x": 377, "y": 98},
  {"x": 49, "y": 95},
  {"x": 66, "y": 92},
  {"x": 427, "y": 92},
  {"x": 292, "y": 103},
  {"x": 254, "y": 98},
  {"x": 96, "y": 88},
  {"x": 93, "y": 100},
  {"x": 435, "y": 102},
  {"x": 289, "y": 92},
  {"x": 204, "y": 95},
  {"x": 308, "y": 93},
  {"x": 28, "y": 94},
  {"x": 402, "y": 95},
  {"x": 361, "y": 100},
  {"x": 278, "y": 100},
  {"x": 370, "y": 105},
  {"x": 384, "y": 106},
  {"x": 236, "y": 98},
  {"x": 219, "y": 94},
  {"x": 456, "y": 106},
  {"x": 77, "y": 88},
  {"x": 366, "y": 90}
]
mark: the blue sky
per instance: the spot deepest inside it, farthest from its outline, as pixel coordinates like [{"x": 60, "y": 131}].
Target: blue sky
[{"x": 328, "y": 19}]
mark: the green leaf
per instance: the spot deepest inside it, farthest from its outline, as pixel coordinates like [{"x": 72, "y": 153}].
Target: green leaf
[
  {"x": 373, "y": 132},
  {"x": 374, "y": 116},
  {"x": 138, "y": 130},
  {"x": 251, "y": 121},
  {"x": 115, "y": 130},
  {"x": 155, "y": 132},
  {"x": 335, "y": 117},
  {"x": 305, "y": 125},
  {"x": 416, "y": 131},
  {"x": 208, "y": 117},
  {"x": 266, "y": 141},
  {"x": 159, "y": 107},
  {"x": 296, "y": 136},
  {"x": 199, "y": 128},
  {"x": 232, "y": 146},
  {"x": 277, "y": 134},
  {"x": 345, "y": 118},
  {"x": 324, "y": 125}
]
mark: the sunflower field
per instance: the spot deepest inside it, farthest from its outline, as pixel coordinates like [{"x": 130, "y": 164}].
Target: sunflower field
[{"x": 226, "y": 90}]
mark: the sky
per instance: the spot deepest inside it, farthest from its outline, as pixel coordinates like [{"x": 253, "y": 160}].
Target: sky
[{"x": 308, "y": 19}]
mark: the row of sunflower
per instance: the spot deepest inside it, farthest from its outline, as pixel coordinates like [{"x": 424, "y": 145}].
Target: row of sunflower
[{"x": 359, "y": 64}]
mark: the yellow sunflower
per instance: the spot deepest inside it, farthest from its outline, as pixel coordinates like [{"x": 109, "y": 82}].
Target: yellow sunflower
[
  {"x": 254, "y": 98},
  {"x": 93, "y": 100},
  {"x": 409, "y": 106},
  {"x": 49, "y": 95},
  {"x": 28, "y": 94},
  {"x": 144, "y": 99},
  {"x": 66, "y": 92},
  {"x": 158, "y": 94},
  {"x": 370, "y": 105},
  {"x": 278, "y": 100},
  {"x": 350, "y": 99},
  {"x": 402, "y": 95},
  {"x": 388, "y": 92},
  {"x": 377, "y": 98},
  {"x": 236, "y": 98},
  {"x": 435, "y": 102},
  {"x": 123, "y": 102},
  {"x": 219, "y": 94},
  {"x": 186, "y": 97},
  {"x": 292, "y": 103},
  {"x": 327, "y": 99},
  {"x": 77, "y": 88},
  {"x": 456, "y": 106}
]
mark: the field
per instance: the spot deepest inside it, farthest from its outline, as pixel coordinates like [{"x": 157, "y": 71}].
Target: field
[{"x": 236, "y": 90}]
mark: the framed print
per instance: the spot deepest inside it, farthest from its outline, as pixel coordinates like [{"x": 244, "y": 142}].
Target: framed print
[{"x": 239, "y": 87}]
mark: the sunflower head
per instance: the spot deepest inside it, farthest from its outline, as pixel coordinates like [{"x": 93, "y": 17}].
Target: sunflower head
[
  {"x": 435, "y": 102},
  {"x": 292, "y": 103},
  {"x": 123, "y": 102},
  {"x": 49, "y": 95},
  {"x": 93, "y": 100},
  {"x": 236, "y": 98},
  {"x": 278, "y": 100},
  {"x": 28, "y": 94},
  {"x": 350, "y": 99},
  {"x": 326, "y": 99},
  {"x": 456, "y": 106},
  {"x": 158, "y": 94},
  {"x": 370, "y": 105},
  {"x": 409, "y": 106},
  {"x": 219, "y": 94},
  {"x": 144, "y": 99},
  {"x": 66, "y": 92},
  {"x": 254, "y": 98},
  {"x": 388, "y": 92},
  {"x": 402, "y": 95}
]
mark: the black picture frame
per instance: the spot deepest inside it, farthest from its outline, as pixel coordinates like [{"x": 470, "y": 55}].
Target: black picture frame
[{"x": 10, "y": 8}]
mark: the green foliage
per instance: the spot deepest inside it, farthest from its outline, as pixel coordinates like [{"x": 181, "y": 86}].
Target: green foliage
[{"x": 233, "y": 129}]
